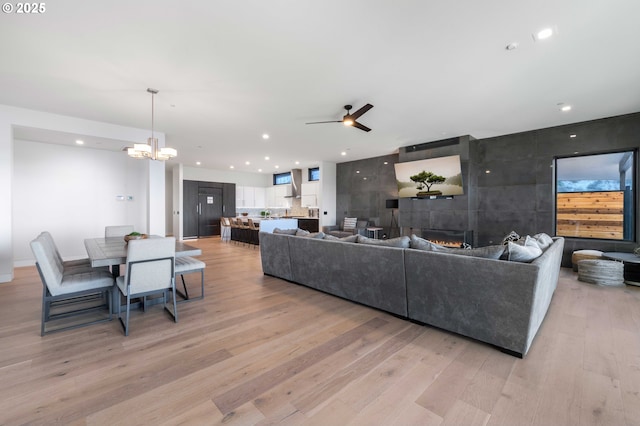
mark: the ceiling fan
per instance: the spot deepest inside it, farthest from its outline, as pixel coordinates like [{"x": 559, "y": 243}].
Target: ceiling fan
[{"x": 350, "y": 119}]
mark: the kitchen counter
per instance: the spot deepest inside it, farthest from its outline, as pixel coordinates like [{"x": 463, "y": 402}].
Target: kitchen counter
[{"x": 268, "y": 225}]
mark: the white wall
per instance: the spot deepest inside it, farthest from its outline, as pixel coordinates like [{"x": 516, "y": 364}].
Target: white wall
[
  {"x": 328, "y": 192},
  {"x": 153, "y": 181},
  {"x": 228, "y": 176},
  {"x": 72, "y": 193}
]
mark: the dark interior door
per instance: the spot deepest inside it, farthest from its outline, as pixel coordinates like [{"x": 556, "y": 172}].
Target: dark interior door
[{"x": 209, "y": 211}]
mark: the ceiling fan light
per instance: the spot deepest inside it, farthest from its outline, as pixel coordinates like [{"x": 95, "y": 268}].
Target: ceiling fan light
[{"x": 347, "y": 121}]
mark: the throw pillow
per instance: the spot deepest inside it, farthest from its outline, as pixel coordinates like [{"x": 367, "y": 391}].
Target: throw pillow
[
  {"x": 487, "y": 252},
  {"x": 350, "y": 239},
  {"x": 526, "y": 253},
  {"x": 331, "y": 237},
  {"x": 285, "y": 231},
  {"x": 543, "y": 240},
  {"x": 314, "y": 235},
  {"x": 511, "y": 236},
  {"x": 349, "y": 223},
  {"x": 302, "y": 232},
  {"x": 425, "y": 245},
  {"x": 401, "y": 242}
]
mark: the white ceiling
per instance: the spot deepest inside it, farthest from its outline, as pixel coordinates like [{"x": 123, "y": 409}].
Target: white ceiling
[{"x": 229, "y": 71}]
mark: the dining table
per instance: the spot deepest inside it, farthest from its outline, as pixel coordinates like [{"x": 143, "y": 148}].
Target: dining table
[{"x": 112, "y": 251}]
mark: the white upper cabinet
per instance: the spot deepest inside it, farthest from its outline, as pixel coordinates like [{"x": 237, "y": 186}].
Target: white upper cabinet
[
  {"x": 251, "y": 196},
  {"x": 309, "y": 194}
]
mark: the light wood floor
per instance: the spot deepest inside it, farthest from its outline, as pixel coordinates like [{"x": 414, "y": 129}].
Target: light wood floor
[{"x": 259, "y": 350}]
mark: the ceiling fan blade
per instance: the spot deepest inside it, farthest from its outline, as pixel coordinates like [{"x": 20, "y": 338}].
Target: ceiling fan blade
[
  {"x": 360, "y": 126},
  {"x": 321, "y": 122},
  {"x": 361, "y": 111}
]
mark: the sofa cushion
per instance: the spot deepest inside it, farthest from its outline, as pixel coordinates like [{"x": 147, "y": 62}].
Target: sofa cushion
[
  {"x": 523, "y": 253},
  {"x": 401, "y": 242},
  {"x": 285, "y": 231}
]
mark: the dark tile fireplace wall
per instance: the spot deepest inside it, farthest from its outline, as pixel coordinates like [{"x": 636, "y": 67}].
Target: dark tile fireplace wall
[{"x": 508, "y": 182}]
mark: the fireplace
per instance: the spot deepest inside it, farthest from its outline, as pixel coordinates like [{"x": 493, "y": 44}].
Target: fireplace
[{"x": 448, "y": 237}]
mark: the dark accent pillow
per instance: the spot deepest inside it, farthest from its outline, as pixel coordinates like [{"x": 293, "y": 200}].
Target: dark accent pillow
[
  {"x": 511, "y": 236},
  {"x": 350, "y": 239},
  {"x": 285, "y": 231},
  {"x": 401, "y": 242}
]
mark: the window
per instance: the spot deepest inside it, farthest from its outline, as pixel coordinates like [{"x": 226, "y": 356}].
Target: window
[
  {"x": 595, "y": 196},
  {"x": 282, "y": 178},
  {"x": 314, "y": 174}
]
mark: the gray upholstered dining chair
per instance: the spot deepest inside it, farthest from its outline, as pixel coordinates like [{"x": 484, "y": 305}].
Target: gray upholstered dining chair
[
  {"x": 149, "y": 270},
  {"x": 117, "y": 230},
  {"x": 70, "y": 290},
  {"x": 225, "y": 229}
]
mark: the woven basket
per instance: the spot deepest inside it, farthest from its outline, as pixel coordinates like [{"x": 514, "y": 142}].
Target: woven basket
[
  {"x": 601, "y": 272},
  {"x": 579, "y": 255}
]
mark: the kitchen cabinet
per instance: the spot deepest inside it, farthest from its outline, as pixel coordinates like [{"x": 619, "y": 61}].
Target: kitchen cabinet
[
  {"x": 309, "y": 194},
  {"x": 251, "y": 197},
  {"x": 310, "y": 225}
]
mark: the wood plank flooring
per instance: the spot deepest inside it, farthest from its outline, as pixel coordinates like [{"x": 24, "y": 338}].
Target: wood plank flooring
[{"x": 260, "y": 350}]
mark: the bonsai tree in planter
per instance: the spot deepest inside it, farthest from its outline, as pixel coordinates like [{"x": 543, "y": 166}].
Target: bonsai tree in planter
[{"x": 426, "y": 179}]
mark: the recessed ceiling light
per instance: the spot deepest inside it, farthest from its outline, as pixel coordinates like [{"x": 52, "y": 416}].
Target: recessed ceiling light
[
  {"x": 573, "y": 135},
  {"x": 297, "y": 162},
  {"x": 259, "y": 170},
  {"x": 357, "y": 171},
  {"x": 543, "y": 34},
  {"x": 231, "y": 167},
  {"x": 247, "y": 163},
  {"x": 266, "y": 158},
  {"x": 565, "y": 108},
  {"x": 265, "y": 136},
  {"x": 79, "y": 142},
  {"x": 386, "y": 162},
  {"x": 198, "y": 163},
  {"x": 343, "y": 153},
  {"x": 487, "y": 171},
  {"x": 277, "y": 167},
  {"x": 364, "y": 178}
]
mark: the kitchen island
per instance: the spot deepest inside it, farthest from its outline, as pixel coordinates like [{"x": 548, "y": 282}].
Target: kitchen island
[{"x": 268, "y": 225}]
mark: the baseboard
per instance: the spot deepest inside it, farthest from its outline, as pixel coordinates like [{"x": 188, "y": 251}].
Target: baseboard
[{"x": 6, "y": 278}]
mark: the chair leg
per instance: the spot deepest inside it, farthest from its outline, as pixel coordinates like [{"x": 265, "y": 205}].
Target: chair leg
[
  {"x": 45, "y": 310},
  {"x": 175, "y": 305},
  {"x": 186, "y": 292},
  {"x": 126, "y": 326}
]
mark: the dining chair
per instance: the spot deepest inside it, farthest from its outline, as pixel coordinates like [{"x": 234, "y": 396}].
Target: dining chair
[
  {"x": 225, "y": 229},
  {"x": 187, "y": 265},
  {"x": 117, "y": 230},
  {"x": 76, "y": 265},
  {"x": 70, "y": 291},
  {"x": 149, "y": 270}
]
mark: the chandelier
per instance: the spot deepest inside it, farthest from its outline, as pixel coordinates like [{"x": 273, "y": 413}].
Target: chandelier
[{"x": 150, "y": 149}]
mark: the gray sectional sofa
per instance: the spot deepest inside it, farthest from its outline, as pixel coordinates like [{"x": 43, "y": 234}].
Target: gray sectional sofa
[{"x": 499, "y": 302}]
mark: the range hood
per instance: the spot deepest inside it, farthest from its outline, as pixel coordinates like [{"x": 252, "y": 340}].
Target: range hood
[{"x": 296, "y": 183}]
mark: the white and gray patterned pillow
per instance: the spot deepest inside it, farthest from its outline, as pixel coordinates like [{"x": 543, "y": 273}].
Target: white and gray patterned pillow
[{"x": 302, "y": 232}]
